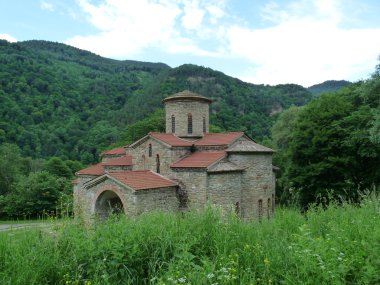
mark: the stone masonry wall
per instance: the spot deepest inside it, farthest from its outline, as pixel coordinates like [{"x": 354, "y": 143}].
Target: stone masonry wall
[
  {"x": 224, "y": 190},
  {"x": 134, "y": 202},
  {"x": 194, "y": 183},
  {"x": 88, "y": 197},
  {"x": 257, "y": 183},
  {"x": 161, "y": 199},
  {"x": 108, "y": 157},
  {"x": 167, "y": 155},
  {"x": 180, "y": 110},
  {"x": 79, "y": 198},
  {"x": 113, "y": 168}
]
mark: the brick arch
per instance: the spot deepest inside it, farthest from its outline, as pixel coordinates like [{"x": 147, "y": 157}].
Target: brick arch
[{"x": 115, "y": 190}]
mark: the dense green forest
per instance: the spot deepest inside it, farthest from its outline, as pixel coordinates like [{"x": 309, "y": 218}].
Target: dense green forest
[
  {"x": 56, "y": 100},
  {"x": 61, "y": 106},
  {"x": 329, "y": 149}
]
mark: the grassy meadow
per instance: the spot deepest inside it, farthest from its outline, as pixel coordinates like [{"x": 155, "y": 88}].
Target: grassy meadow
[{"x": 336, "y": 245}]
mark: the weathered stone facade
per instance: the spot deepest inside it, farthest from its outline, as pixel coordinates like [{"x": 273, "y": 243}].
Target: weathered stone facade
[
  {"x": 94, "y": 199},
  {"x": 155, "y": 155},
  {"x": 187, "y": 114},
  {"x": 180, "y": 170},
  {"x": 224, "y": 189}
]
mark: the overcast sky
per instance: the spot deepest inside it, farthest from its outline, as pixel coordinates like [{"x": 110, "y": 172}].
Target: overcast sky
[{"x": 262, "y": 42}]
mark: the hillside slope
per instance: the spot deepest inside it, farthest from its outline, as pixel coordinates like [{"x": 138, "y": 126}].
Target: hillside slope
[
  {"x": 328, "y": 86},
  {"x": 56, "y": 100}
]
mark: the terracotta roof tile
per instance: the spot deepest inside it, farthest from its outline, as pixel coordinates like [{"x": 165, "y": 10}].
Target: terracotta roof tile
[
  {"x": 96, "y": 169},
  {"x": 144, "y": 179},
  {"x": 170, "y": 139},
  {"x": 115, "y": 151},
  {"x": 124, "y": 160},
  {"x": 199, "y": 159},
  {"x": 218, "y": 139}
]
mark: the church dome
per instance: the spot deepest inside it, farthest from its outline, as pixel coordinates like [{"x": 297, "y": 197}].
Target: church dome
[
  {"x": 187, "y": 95},
  {"x": 187, "y": 114}
]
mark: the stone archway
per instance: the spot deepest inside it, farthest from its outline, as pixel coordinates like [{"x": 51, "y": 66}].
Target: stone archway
[{"x": 108, "y": 203}]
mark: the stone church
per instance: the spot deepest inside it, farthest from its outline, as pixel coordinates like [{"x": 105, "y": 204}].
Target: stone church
[{"x": 184, "y": 168}]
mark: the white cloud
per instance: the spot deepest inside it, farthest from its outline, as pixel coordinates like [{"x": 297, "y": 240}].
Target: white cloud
[
  {"x": 304, "y": 49},
  {"x": 127, "y": 27},
  {"x": 329, "y": 10},
  {"x": 193, "y": 15},
  {"x": 303, "y": 41},
  {"x": 216, "y": 12},
  {"x": 187, "y": 46},
  {"x": 7, "y": 37},
  {"x": 46, "y": 6}
]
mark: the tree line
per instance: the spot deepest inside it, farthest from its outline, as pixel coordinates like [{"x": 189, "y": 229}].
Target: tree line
[
  {"x": 329, "y": 149},
  {"x": 30, "y": 188}
]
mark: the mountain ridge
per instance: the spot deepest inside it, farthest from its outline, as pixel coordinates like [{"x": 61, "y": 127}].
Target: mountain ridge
[
  {"x": 57, "y": 100},
  {"x": 328, "y": 86}
]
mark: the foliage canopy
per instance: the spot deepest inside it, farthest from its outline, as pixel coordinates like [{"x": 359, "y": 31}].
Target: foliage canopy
[{"x": 330, "y": 148}]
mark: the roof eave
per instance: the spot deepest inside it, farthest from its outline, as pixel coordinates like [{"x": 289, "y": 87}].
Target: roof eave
[
  {"x": 139, "y": 141},
  {"x": 226, "y": 171},
  {"x": 189, "y": 167},
  {"x": 187, "y": 98},
  {"x": 216, "y": 161},
  {"x": 104, "y": 177},
  {"x": 251, "y": 151}
]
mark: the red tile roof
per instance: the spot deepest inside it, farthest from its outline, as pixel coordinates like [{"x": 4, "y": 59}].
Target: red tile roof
[
  {"x": 219, "y": 139},
  {"x": 96, "y": 169},
  {"x": 144, "y": 179},
  {"x": 170, "y": 139},
  {"x": 124, "y": 160},
  {"x": 199, "y": 159},
  {"x": 115, "y": 151}
]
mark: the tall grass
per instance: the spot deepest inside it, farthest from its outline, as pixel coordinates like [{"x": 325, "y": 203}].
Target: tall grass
[{"x": 337, "y": 245}]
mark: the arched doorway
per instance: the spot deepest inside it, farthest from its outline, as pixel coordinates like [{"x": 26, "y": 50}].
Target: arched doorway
[{"x": 108, "y": 203}]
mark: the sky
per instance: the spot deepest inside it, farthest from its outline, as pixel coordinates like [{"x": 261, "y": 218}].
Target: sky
[{"x": 263, "y": 42}]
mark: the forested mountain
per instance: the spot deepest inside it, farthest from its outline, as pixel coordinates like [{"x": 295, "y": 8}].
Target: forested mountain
[
  {"x": 56, "y": 100},
  {"x": 328, "y": 86}
]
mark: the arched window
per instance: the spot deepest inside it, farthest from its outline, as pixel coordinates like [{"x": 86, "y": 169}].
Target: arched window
[
  {"x": 150, "y": 150},
  {"x": 268, "y": 208},
  {"x": 143, "y": 161},
  {"x": 173, "y": 124},
  {"x": 260, "y": 209},
  {"x": 204, "y": 124},
  {"x": 189, "y": 123},
  {"x": 158, "y": 163}
]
